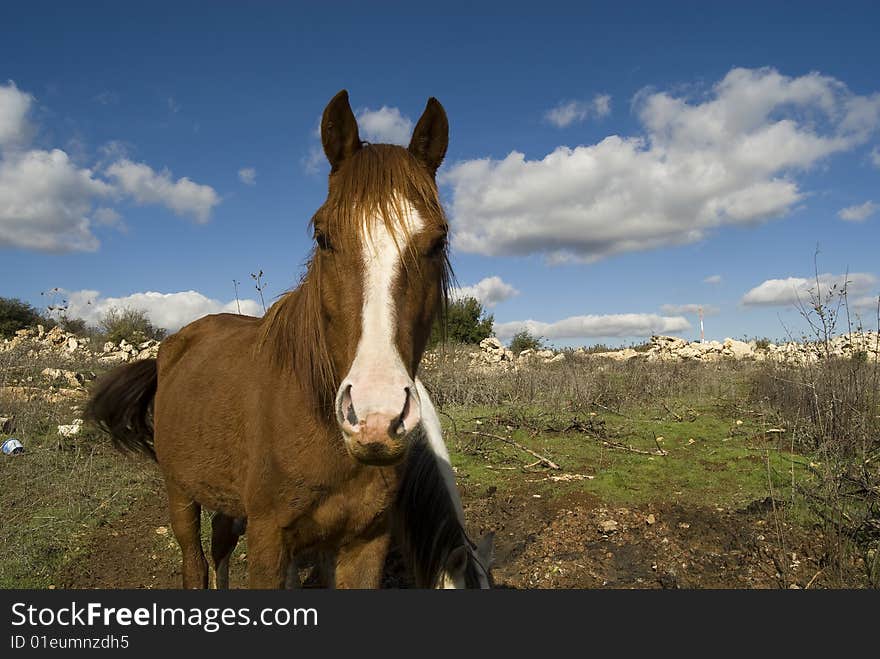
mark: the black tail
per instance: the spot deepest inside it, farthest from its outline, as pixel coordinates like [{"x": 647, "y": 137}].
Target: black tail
[{"x": 122, "y": 405}]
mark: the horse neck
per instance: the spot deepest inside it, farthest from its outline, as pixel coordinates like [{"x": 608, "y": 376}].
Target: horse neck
[{"x": 293, "y": 337}]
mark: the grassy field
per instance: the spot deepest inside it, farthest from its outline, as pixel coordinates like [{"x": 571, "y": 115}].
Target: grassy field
[{"x": 533, "y": 450}]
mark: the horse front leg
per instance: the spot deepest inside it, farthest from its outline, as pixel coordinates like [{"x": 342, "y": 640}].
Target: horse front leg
[
  {"x": 267, "y": 554},
  {"x": 359, "y": 564}
]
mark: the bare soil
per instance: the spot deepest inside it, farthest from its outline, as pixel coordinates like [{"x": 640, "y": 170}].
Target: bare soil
[{"x": 572, "y": 543}]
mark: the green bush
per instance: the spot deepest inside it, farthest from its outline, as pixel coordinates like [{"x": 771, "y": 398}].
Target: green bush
[
  {"x": 16, "y": 314},
  {"x": 525, "y": 340},
  {"x": 129, "y": 324},
  {"x": 465, "y": 321}
]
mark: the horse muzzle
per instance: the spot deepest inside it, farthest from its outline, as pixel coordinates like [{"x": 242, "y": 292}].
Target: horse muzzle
[{"x": 376, "y": 430}]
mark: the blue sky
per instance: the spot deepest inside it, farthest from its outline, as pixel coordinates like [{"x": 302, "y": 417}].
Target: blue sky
[{"x": 604, "y": 161}]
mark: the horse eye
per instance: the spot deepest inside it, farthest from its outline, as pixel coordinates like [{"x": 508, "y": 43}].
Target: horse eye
[
  {"x": 323, "y": 242},
  {"x": 438, "y": 247}
]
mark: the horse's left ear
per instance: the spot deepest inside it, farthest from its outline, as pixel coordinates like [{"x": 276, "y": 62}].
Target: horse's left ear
[{"x": 431, "y": 136}]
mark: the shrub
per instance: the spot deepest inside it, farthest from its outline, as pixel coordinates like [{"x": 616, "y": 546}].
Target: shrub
[
  {"x": 525, "y": 340},
  {"x": 465, "y": 321},
  {"x": 129, "y": 324},
  {"x": 16, "y": 314}
]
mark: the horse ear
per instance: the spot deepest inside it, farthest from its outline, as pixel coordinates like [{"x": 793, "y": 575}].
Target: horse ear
[
  {"x": 339, "y": 131},
  {"x": 486, "y": 549},
  {"x": 431, "y": 136}
]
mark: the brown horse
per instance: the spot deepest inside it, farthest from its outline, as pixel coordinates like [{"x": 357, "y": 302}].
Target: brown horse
[
  {"x": 297, "y": 420},
  {"x": 427, "y": 519}
]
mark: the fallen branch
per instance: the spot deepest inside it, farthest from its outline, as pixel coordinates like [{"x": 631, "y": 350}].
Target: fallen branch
[
  {"x": 678, "y": 417},
  {"x": 541, "y": 459},
  {"x": 632, "y": 449}
]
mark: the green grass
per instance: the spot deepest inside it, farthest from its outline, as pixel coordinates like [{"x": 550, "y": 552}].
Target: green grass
[
  {"x": 711, "y": 460},
  {"x": 55, "y": 496}
]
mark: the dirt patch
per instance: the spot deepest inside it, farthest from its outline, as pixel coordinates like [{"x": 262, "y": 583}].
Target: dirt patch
[{"x": 574, "y": 542}]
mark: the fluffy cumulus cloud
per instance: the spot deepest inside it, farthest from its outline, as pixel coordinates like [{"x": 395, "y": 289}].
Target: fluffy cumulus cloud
[
  {"x": 489, "y": 291},
  {"x": 593, "y": 326},
  {"x": 50, "y": 203},
  {"x": 727, "y": 158},
  {"x": 385, "y": 125},
  {"x": 146, "y": 186},
  {"x": 46, "y": 202},
  {"x": 858, "y": 213},
  {"x": 795, "y": 290},
  {"x": 170, "y": 311},
  {"x": 570, "y": 112},
  {"x": 712, "y": 279},
  {"x": 14, "y": 108},
  {"x": 247, "y": 175},
  {"x": 692, "y": 308}
]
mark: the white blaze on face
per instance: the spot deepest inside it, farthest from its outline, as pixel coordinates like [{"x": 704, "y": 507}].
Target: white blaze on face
[{"x": 378, "y": 379}]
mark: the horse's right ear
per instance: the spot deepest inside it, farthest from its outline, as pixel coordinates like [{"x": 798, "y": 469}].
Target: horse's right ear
[{"x": 339, "y": 131}]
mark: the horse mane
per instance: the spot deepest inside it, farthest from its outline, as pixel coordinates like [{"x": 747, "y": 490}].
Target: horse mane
[
  {"x": 376, "y": 182},
  {"x": 425, "y": 518}
]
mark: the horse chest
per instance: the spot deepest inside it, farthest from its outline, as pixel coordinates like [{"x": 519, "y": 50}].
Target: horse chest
[{"x": 346, "y": 509}]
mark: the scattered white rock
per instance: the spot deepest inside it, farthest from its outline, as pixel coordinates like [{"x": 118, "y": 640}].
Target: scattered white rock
[{"x": 71, "y": 430}]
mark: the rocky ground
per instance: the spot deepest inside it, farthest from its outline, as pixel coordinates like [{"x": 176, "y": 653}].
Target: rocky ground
[{"x": 864, "y": 345}]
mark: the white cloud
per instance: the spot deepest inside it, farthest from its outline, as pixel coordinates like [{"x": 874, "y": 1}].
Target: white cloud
[
  {"x": 602, "y": 105},
  {"x": 582, "y": 327},
  {"x": 14, "y": 108},
  {"x": 48, "y": 203},
  {"x": 315, "y": 160},
  {"x": 875, "y": 156},
  {"x": 708, "y": 309},
  {"x": 107, "y": 216},
  {"x": 570, "y": 112},
  {"x": 489, "y": 291},
  {"x": 170, "y": 311},
  {"x": 866, "y": 304},
  {"x": 791, "y": 290},
  {"x": 857, "y": 213},
  {"x": 726, "y": 159},
  {"x": 146, "y": 186},
  {"x": 385, "y": 125},
  {"x": 712, "y": 279},
  {"x": 248, "y": 175}
]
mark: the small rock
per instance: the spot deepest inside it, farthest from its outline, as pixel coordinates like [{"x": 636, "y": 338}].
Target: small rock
[
  {"x": 608, "y": 526},
  {"x": 650, "y": 520},
  {"x": 71, "y": 430}
]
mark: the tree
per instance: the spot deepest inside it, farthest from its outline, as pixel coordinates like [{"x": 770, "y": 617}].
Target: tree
[
  {"x": 133, "y": 325},
  {"x": 525, "y": 340},
  {"x": 465, "y": 322},
  {"x": 16, "y": 314}
]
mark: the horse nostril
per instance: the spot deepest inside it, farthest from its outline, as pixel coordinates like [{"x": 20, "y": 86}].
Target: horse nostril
[
  {"x": 397, "y": 427},
  {"x": 348, "y": 407}
]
